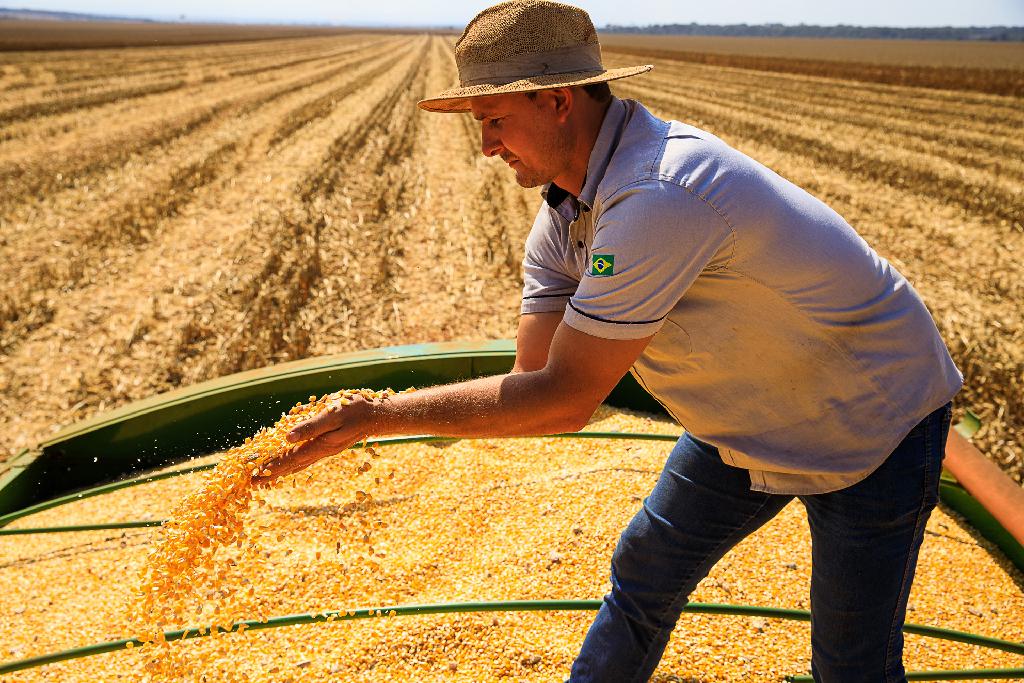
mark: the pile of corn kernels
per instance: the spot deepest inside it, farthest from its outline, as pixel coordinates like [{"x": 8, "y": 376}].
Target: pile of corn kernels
[
  {"x": 182, "y": 584},
  {"x": 470, "y": 520}
]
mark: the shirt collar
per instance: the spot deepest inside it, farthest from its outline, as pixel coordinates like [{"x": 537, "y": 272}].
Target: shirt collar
[{"x": 601, "y": 154}]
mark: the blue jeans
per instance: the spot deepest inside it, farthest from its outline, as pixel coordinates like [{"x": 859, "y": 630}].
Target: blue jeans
[{"x": 864, "y": 545}]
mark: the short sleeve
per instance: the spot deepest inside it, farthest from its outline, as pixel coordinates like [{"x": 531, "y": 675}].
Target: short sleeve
[
  {"x": 547, "y": 282},
  {"x": 652, "y": 239}
]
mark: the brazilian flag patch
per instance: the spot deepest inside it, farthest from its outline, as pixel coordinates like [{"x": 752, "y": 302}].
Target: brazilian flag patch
[{"x": 602, "y": 265}]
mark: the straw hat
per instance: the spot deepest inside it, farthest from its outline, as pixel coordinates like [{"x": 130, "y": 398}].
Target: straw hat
[{"x": 522, "y": 46}]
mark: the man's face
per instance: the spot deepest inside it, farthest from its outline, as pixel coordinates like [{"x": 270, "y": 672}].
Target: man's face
[{"x": 526, "y": 133}]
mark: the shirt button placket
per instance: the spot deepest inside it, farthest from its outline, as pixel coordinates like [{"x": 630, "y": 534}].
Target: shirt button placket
[{"x": 576, "y": 239}]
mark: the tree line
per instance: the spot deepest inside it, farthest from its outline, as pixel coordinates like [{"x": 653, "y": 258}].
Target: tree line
[{"x": 992, "y": 33}]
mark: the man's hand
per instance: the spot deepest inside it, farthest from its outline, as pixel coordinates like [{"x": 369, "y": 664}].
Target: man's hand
[{"x": 332, "y": 431}]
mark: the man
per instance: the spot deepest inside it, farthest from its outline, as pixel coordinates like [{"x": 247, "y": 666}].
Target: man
[{"x": 799, "y": 362}]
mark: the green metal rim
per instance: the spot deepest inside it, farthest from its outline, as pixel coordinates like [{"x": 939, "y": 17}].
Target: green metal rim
[
  {"x": 943, "y": 675},
  {"x": 952, "y": 494},
  {"x": 501, "y": 606},
  {"x": 292, "y": 369},
  {"x": 969, "y": 425},
  {"x": 145, "y": 479},
  {"x": 97, "y": 491},
  {"x": 133, "y": 524}
]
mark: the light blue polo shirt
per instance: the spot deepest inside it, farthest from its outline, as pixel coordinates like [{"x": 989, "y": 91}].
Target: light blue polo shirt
[{"x": 780, "y": 336}]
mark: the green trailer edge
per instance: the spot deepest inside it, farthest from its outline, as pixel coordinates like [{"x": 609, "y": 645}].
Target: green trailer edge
[{"x": 213, "y": 415}]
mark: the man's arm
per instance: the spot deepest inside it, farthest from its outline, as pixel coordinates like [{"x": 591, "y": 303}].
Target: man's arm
[
  {"x": 533, "y": 339},
  {"x": 559, "y": 396}
]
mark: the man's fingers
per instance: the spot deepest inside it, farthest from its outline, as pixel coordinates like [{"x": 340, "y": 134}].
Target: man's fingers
[
  {"x": 315, "y": 426},
  {"x": 301, "y": 457},
  {"x": 315, "y": 449},
  {"x": 330, "y": 432}
]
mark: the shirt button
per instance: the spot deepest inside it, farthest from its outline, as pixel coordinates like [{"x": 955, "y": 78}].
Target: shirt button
[{"x": 579, "y": 243}]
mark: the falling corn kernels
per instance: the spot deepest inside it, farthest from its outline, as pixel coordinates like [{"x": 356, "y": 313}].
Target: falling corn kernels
[{"x": 180, "y": 567}]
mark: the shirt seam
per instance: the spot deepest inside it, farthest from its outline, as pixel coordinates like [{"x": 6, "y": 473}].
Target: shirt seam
[
  {"x": 617, "y": 322},
  {"x": 546, "y": 296},
  {"x": 829, "y": 487},
  {"x": 643, "y": 384},
  {"x": 721, "y": 214},
  {"x": 673, "y": 181}
]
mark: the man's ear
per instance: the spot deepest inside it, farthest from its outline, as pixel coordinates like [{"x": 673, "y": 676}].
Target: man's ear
[
  {"x": 564, "y": 99},
  {"x": 556, "y": 100}
]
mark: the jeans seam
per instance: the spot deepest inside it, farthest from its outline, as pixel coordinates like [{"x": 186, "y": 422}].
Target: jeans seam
[
  {"x": 889, "y": 650},
  {"x": 690, "y": 575}
]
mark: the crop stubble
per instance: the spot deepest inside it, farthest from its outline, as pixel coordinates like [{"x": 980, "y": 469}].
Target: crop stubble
[
  {"x": 104, "y": 207},
  {"x": 291, "y": 200},
  {"x": 49, "y": 34},
  {"x": 981, "y": 66}
]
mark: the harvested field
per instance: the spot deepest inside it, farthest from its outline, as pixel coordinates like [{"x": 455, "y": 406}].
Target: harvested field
[
  {"x": 544, "y": 516},
  {"x": 282, "y": 202},
  {"x": 979, "y": 66},
  {"x": 953, "y": 54},
  {"x": 44, "y": 34},
  {"x": 174, "y": 214}
]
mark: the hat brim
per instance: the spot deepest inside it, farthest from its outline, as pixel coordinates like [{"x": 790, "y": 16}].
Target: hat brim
[{"x": 456, "y": 100}]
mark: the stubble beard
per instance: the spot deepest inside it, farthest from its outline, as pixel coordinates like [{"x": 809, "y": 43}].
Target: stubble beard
[
  {"x": 527, "y": 177},
  {"x": 555, "y": 152}
]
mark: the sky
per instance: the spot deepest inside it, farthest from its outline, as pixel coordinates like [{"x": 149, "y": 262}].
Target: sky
[{"x": 630, "y": 12}]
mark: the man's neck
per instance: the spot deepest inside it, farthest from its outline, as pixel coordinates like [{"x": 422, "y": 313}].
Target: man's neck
[{"x": 588, "y": 127}]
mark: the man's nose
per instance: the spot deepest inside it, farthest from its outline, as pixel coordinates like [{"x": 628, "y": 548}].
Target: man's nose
[{"x": 490, "y": 144}]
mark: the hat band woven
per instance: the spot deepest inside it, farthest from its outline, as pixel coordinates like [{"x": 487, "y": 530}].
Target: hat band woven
[{"x": 586, "y": 57}]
